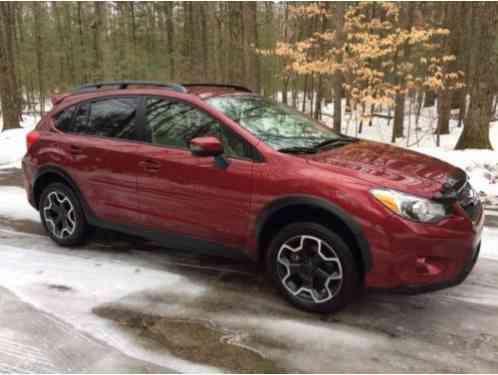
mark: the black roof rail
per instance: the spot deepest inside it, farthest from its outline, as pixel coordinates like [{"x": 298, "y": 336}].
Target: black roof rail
[
  {"x": 122, "y": 85},
  {"x": 236, "y": 87}
]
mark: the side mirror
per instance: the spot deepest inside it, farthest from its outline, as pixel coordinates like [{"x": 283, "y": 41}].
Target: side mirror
[{"x": 206, "y": 146}]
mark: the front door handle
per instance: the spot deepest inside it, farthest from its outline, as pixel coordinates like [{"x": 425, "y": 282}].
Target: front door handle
[{"x": 150, "y": 165}]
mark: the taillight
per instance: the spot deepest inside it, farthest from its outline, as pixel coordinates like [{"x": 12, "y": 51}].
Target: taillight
[{"x": 32, "y": 138}]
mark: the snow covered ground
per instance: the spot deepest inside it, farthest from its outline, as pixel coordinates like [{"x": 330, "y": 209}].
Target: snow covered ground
[{"x": 13, "y": 143}]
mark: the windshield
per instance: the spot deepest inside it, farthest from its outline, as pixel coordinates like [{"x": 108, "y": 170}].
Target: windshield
[{"x": 279, "y": 126}]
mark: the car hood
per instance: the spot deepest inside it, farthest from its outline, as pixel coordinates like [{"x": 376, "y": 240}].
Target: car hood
[{"x": 387, "y": 166}]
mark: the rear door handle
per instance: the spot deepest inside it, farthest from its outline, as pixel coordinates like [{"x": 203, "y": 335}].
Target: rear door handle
[
  {"x": 150, "y": 165},
  {"x": 75, "y": 150}
]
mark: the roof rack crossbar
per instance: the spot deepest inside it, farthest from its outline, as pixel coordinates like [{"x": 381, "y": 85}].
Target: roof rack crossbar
[
  {"x": 236, "y": 87},
  {"x": 124, "y": 84}
]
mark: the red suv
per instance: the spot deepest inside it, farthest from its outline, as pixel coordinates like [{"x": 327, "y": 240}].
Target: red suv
[{"x": 218, "y": 168}]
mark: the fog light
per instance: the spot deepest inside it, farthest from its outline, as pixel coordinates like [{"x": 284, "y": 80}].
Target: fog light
[{"x": 429, "y": 266}]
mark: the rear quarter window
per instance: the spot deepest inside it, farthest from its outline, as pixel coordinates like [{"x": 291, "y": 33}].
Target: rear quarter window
[
  {"x": 64, "y": 119},
  {"x": 110, "y": 118},
  {"x": 81, "y": 124}
]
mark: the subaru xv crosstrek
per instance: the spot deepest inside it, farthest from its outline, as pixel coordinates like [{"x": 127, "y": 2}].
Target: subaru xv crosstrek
[{"x": 219, "y": 169}]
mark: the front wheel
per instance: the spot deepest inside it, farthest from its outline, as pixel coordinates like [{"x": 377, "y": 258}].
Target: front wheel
[
  {"x": 312, "y": 267},
  {"x": 62, "y": 215}
]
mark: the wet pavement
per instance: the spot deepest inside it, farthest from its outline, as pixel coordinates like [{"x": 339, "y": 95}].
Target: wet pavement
[
  {"x": 11, "y": 177},
  {"x": 33, "y": 341},
  {"x": 123, "y": 304}
]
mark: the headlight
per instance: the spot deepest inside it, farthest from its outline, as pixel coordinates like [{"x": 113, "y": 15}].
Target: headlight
[{"x": 410, "y": 206}]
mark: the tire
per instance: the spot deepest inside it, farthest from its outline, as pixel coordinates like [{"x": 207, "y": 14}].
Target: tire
[
  {"x": 308, "y": 278},
  {"x": 67, "y": 226}
]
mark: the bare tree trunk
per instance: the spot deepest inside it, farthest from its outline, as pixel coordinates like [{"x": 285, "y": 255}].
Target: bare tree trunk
[
  {"x": 312, "y": 93},
  {"x": 286, "y": 77},
  {"x": 360, "y": 128},
  {"x": 462, "y": 107},
  {"x": 294, "y": 93},
  {"x": 8, "y": 81},
  {"x": 97, "y": 26},
  {"x": 407, "y": 16},
  {"x": 134, "y": 40},
  {"x": 40, "y": 63},
  {"x": 399, "y": 116},
  {"x": 464, "y": 57},
  {"x": 444, "y": 107},
  {"x": 285, "y": 89},
  {"x": 319, "y": 98},
  {"x": 219, "y": 45},
  {"x": 451, "y": 43},
  {"x": 483, "y": 80},
  {"x": 338, "y": 78},
  {"x": 430, "y": 98},
  {"x": 236, "y": 61},
  {"x": 372, "y": 111},
  {"x": 83, "y": 56},
  {"x": 204, "y": 37},
  {"x": 170, "y": 35},
  {"x": 305, "y": 93},
  {"x": 249, "y": 18}
]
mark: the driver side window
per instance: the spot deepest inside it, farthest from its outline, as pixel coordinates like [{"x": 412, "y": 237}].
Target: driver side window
[{"x": 175, "y": 123}]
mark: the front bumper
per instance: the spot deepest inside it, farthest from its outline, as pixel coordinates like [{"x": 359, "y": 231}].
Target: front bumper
[{"x": 417, "y": 258}]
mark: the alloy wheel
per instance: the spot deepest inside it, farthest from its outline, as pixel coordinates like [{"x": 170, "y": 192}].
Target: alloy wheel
[
  {"x": 59, "y": 215},
  {"x": 309, "y": 269}
]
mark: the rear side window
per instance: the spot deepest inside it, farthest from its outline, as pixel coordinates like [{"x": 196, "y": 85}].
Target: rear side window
[
  {"x": 112, "y": 118},
  {"x": 63, "y": 121}
]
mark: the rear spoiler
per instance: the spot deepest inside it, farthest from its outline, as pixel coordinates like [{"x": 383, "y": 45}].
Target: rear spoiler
[{"x": 58, "y": 99}]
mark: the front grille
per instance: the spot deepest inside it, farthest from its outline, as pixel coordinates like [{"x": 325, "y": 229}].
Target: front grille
[{"x": 470, "y": 202}]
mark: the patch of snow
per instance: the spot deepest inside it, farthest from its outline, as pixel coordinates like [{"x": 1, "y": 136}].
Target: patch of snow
[
  {"x": 14, "y": 204},
  {"x": 489, "y": 247},
  {"x": 12, "y": 147},
  {"x": 13, "y": 143},
  {"x": 480, "y": 165},
  {"x": 311, "y": 336},
  {"x": 29, "y": 121}
]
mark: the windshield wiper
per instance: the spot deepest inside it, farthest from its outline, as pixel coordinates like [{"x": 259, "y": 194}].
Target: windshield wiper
[
  {"x": 298, "y": 150},
  {"x": 335, "y": 142}
]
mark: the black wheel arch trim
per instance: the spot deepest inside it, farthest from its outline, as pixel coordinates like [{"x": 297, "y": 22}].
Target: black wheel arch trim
[{"x": 321, "y": 203}]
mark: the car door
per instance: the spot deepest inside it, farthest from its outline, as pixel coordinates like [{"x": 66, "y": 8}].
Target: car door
[
  {"x": 186, "y": 194},
  {"x": 225, "y": 188},
  {"x": 103, "y": 147}
]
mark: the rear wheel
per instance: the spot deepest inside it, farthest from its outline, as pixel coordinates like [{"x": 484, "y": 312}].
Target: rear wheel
[
  {"x": 312, "y": 267},
  {"x": 62, "y": 215}
]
